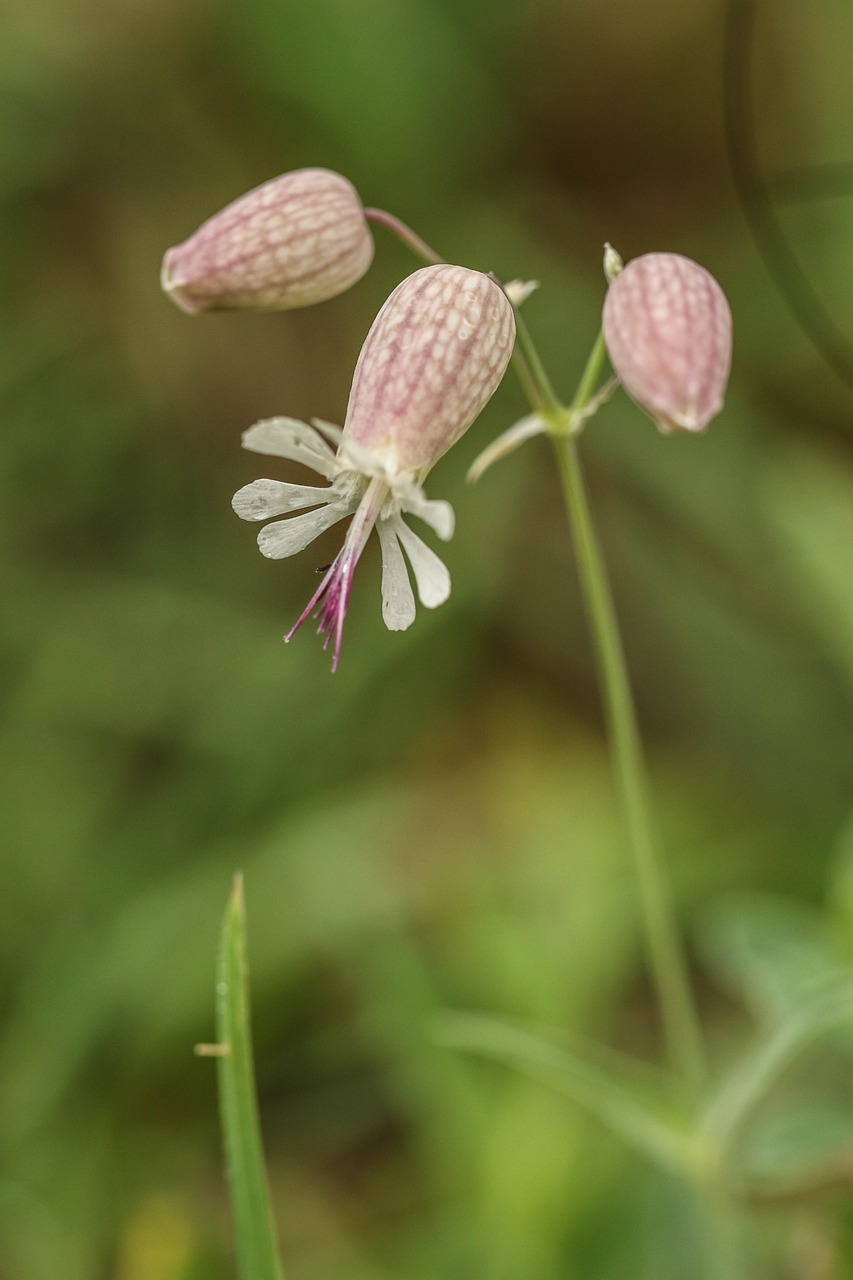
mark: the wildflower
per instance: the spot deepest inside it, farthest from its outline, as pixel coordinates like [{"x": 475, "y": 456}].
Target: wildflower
[
  {"x": 432, "y": 359},
  {"x": 668, "y": 330},
  {"x": 296, "y": 240}
]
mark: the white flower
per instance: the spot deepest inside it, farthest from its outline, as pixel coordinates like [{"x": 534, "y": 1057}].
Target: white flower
[{"x": 433, "y": 357}]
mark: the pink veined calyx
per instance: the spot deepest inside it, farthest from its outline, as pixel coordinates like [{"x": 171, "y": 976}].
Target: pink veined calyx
[
  {"x": 668, "y": 331},
  {"x": 434, "y": 355},
  {"x": 293, "y": 241}
]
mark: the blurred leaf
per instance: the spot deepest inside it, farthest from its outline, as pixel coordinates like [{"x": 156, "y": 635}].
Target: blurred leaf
[
  {"x": 841, "y": 883},
  {"x": 611, "y": 1098},
  {"x": 154, "y": 986},
  {"x": 754, "y": 1075},
  {"x": 772, "y": 953},
  {"x": 797, "y": 1146},
  {"x": 809, "y": 499}
]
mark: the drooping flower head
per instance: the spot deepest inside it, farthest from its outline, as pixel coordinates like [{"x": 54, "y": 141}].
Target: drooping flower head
[
  {"x": 432, "y": 359},
  {"x": 296, "y": 240},
  {"x": 668, "y": 330}
]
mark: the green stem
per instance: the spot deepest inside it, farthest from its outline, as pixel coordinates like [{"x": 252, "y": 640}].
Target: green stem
[
  {"x": 542, "y": 397},
  {"x": 666, "y": 957},
  {"x": 590, "y": 375},
  {"x": 667, "y": 961},
  {"x": 720, "y": 1229}
]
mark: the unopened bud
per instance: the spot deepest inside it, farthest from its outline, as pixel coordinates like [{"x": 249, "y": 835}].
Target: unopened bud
[
  {"x": 518, "y": 291},
  {"x": 668, "y": 331},
  {"x": 296, "y": 240},
  {"x": 432, "y": 359},
  {"x": 612, "y": 263}
]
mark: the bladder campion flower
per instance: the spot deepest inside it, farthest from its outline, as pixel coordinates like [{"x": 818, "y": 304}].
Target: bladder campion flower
[
  {"x": 433, "y": 357},
  {"x": 668, "y": 331},
  {"x": 296, "y": 240}
]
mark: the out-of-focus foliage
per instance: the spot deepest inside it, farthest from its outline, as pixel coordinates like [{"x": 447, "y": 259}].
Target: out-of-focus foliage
[{"x": 433, "y": 827}]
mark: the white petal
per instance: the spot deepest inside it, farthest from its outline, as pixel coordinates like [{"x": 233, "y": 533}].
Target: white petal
[
  {"x": 507, "y": 443},
  {"x": 286, "y": 537},
  {"x": 436, "y": 513},
  {"x": 289, "y": 438},
  {"x": 328, "y": 429},
  {"x": 398, "y": 600},
  {"x": 356, "y": 456},
  {"x": 431, "y": 575},
  {"x": 263, "y": 499},
  {"x": 439, "y": 515}
]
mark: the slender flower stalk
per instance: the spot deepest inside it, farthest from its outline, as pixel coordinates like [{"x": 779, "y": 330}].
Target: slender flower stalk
[
  {"x": 409, "y": 238},
  {"x": 535, "y": 381},
  {"x": 666, "y": 957}
]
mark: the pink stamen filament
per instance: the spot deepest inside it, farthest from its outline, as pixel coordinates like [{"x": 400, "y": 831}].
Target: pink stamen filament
[{"x": 334, "y": 591}]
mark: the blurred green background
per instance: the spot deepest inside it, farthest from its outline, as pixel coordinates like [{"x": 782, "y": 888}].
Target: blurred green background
[{"x": 432, "y": 827}]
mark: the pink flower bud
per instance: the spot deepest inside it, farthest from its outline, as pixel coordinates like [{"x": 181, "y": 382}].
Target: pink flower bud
[
  {"x": 668, "y": 331},
  {"x": 432, "y": 359},
  {"x": 296, "y": 240}
]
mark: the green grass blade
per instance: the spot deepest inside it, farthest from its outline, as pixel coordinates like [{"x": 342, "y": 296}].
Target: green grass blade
[{"x": 257, "y": 1249}]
